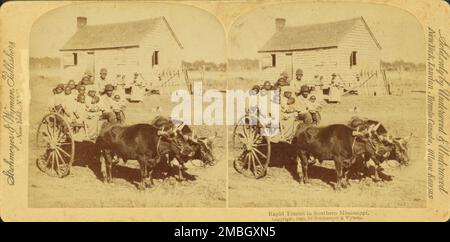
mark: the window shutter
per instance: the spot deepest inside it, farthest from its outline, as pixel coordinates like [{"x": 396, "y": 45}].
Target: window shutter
[
  {"x": 155, "y": 58},
  {"x": 353, "y": 58},
  {"x": 75, "y": 59}
]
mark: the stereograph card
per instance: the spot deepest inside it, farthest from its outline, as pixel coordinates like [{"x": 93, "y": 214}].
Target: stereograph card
[{"x": 225, "y": 111}]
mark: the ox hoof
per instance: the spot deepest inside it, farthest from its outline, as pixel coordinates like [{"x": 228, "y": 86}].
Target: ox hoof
[
  {"x": 107, "y": 180},
  {"x": 149, "y": 184},
  {"x": 375, "y": 179},
  {"x": 347, "y": 184},
  {"x": 141, "y": 187},
  {"x": 338, "y": 187}
]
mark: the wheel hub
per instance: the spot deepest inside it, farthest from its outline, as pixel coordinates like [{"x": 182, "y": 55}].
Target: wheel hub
[
  {"x": 248, "y": 145},
  {"x": 53, "y": 144}
]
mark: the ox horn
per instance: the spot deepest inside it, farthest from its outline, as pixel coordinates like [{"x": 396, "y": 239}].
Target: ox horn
[
  {"x": 211, "y": 138},
  {"x": 408, "y": 138},
  {"x": 193, "y": 138},
  {"x": 389, "y": 139},
  {"x": 357, "y": 133},
  {"x": 376, "y": 126}
]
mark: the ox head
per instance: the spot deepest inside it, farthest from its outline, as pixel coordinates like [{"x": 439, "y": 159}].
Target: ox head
[
  {"x": 397, "y": 147},
  {"x": 177, "y": 142},
  {"x": 203, "y": 149},
  {"x": 400, "y": 148},
  {"x": 375, "y": 143}
]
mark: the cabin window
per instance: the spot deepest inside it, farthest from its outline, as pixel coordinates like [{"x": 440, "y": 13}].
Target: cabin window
[
  {"x": 70, "y": 59},
  {"x": 155, "y": 58},
  {"x": 353, "y": 59},
  {"x": 75, "y": 59},
  {"x": 274, "y": 60}
]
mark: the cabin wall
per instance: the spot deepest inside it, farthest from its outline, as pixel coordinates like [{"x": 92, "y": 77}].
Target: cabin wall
[
  {"x": 320, "y": 62},
  {"x": 75, "y": 72},
  {"x": 121, "y": 61},
  {"x": 127, "y": 61},
  {"x": 367, "y": 62},
  {"x": 272, "y": 73},
  {"x": 168, "y": 72}
]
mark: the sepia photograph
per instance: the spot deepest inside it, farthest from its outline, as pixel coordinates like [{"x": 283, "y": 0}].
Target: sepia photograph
[
  {"x": 101, "y": 80},
  {"x": 218, "y": 111},
  {"x": 352, "y": 90}
]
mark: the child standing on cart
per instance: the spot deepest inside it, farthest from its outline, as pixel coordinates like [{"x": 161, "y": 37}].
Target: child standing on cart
[{"x": 314, "y": 107}]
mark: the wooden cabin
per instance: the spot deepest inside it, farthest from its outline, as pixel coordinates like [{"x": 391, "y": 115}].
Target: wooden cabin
[
  {"x": 149, "y": 47},
  {"x": 347, "y": 48}
]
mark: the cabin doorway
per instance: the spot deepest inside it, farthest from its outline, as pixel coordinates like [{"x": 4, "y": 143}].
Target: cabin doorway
[
  {"x": 90, "y": 63},
  {"x": 289, "y": 65}
]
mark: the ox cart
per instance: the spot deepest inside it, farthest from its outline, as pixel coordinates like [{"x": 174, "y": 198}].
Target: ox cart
[
  {"x": 56, "y": 139},
  {"x": 252, "y": 144}
]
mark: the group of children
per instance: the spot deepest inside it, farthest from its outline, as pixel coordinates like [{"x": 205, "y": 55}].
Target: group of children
[
  {"x": 296, "y": 104},
  {"x": 84, "y": 104},
  {"x": 301, "y": 102}
]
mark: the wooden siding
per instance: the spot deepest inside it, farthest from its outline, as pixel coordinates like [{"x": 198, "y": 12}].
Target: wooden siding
[
  {"x": 321, "y": 62},
  {"x": 127, "y": 61},
  {"x": 168, "y": 72},
  {"x": 283, "y": 63},
  {"x": 324, "y": 62},
  {"x": 117, "y": 61},
  {"x": 367, "y": 61},
  {"x": 75, "y": 72}
]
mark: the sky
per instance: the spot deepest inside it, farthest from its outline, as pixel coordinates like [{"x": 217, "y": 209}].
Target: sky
[
  {"x": 203, "y": 36},
  {"x": 399, "y": 34},
  {"x": 200, "y": 33}
]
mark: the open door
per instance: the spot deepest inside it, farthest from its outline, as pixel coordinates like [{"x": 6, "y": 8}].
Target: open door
[
  {"x": 289, "y": 65},
  {"x": 90, "y": 62}
]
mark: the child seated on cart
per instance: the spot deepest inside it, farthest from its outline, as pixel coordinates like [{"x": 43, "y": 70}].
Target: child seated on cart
[
  {"x": 80, "y": 110},
  {"x": 314, "y": 107},
  {"x": 95, "y": 108},
  {"x": 93, "y": 114},
  {"x": 288, "y": 115}
]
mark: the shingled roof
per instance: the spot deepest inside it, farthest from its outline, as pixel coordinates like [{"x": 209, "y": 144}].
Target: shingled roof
[
  {"x": 116, "y": 35},
  {"x": 314, "y": 36}
]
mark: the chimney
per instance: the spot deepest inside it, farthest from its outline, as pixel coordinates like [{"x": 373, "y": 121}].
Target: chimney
[
  {"x": 279, "y": 24},
  {"x": 81, "y": 22}
]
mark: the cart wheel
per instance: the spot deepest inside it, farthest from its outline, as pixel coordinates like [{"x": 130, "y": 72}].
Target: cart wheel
[
  {"x": 251, "y": 149},
  {"x": 55, "y": 145}
]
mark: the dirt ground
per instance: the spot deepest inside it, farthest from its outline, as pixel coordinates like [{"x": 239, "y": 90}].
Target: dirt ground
[
  {"x": 206, "y": 187},
  {"x": 401, "y": 114}
]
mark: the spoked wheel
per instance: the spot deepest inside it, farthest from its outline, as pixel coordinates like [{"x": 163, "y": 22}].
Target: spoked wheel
[
  {"x": 55, "y": 145},
  {"x": 251, "y": 149}
]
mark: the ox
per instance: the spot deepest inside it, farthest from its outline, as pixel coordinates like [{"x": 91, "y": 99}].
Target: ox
[
  {"x": 337, "y": 142},
  {"x": 202, "y": 146},
  {"x": 142, "y": 142},
  {"x": 397, "y": 147}
]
